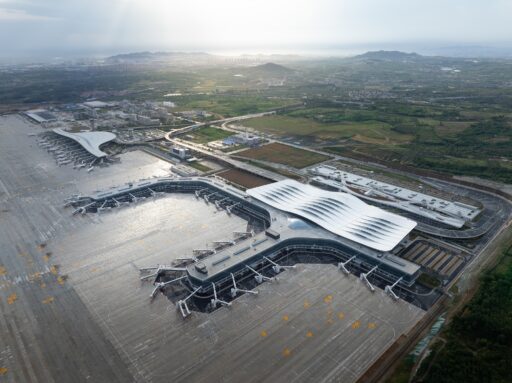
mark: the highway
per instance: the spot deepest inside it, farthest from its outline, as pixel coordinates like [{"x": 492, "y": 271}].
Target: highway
[
  {"x": 226, "y": 159},
  {"x": 217, "y": 155},
  {"x": 198, "y": 124}
]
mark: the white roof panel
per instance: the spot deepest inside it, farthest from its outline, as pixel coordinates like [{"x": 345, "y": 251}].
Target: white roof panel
[
  {"x": 340, "y": 213},
  {"x": 91, "y": 141}
]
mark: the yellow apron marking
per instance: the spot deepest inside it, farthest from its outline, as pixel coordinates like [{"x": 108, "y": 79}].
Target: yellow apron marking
[
  {"x": 12, "y": 298},
  {"x": 48, "y": 300}
]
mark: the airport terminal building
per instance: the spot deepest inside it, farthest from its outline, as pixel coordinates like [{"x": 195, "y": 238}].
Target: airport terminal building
[
  {"x": 90, "y": 141},
  {"x": 339, "y": 213},
  {"x": 288, "y": 220}
]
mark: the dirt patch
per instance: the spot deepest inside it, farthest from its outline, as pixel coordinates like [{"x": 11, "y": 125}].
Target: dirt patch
[{"x": 243, "y": 178}]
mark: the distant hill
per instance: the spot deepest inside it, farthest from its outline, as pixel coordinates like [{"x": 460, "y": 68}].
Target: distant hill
[
  {"x": 270, "y": 69},
  {"x": 141, "y": 57},
  {"x": 389, "y": 56}
]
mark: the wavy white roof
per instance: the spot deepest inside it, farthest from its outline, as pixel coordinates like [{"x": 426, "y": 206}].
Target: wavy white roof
[
  {"x": 340, "y": 213},
  {"x": 91, "y": 141}
]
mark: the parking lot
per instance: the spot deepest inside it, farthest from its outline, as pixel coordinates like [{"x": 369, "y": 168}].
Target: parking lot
[{"x": 438, "y": 259}]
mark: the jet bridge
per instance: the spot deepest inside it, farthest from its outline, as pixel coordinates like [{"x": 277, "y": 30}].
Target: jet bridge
[{"x": 251, "y": 255}]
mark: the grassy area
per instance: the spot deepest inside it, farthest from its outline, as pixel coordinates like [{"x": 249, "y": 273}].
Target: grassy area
[
  {"x": 284, "y": 154},
  {"x": 370, "y": 131},
  {"x": 207, "y": 134},
  {"x": 450, "y": 128},
  {"x": 441, "y": 139},
  {"x": 483, "y": 149},
  {"x": 199, "y": 166},
  {"x": 429, "y": 280},
  {"x": 403, "y": 371},
  {"x": 230, "y": 106}
]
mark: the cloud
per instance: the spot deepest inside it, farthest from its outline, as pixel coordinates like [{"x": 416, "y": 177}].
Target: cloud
[
  {"x": 96, "y": 26},
  {"x": 9, "y": 14}
]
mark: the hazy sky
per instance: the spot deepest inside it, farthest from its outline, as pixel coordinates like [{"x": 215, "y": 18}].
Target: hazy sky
[{"x": 71, "y": 27}]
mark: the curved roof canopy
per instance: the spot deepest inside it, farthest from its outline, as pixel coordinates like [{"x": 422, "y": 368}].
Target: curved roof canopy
[
  {"x": 340, "y": 213},
  {"x": 91, "y": 141}
]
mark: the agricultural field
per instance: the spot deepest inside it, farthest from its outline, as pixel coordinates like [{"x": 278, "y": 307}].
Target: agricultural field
[
  {"x": 284, "y": 154},
  {"x": 439, "y": 138},
  {"x": 230, "y": 105},
  {"x": 243, "y": 178},
  {"x": 370, "y": 131}
]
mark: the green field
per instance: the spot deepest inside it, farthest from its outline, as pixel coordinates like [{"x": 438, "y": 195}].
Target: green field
[
  {"x": 230, "y": 106},
  {"x": 199, "y": 166},
  {"x": 366, "y": 131},
  {"x": 207, "y": 134},
  {"x": 441, "y": 138},
  {"x": 284, "y": 154}
]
